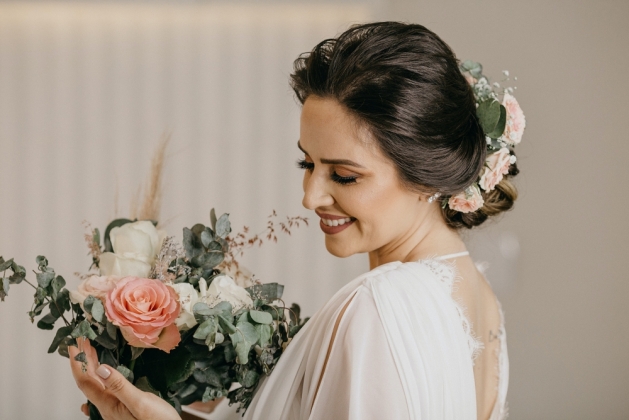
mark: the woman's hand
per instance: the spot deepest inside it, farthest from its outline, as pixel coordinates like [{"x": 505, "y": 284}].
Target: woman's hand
[{"x": 114, "y": 396}]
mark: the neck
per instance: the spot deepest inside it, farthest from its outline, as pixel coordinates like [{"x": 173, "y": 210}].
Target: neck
[{"x": 429, "y": 237}]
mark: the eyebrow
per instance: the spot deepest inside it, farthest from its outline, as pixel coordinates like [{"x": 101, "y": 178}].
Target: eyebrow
[{"x": 333, "y": 161}]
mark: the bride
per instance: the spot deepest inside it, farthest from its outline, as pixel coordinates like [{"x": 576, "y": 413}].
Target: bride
[{"x": 392, "y": 152}]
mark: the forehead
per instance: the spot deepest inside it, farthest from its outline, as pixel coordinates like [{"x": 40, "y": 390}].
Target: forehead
[{"x": 328, "y": 130}]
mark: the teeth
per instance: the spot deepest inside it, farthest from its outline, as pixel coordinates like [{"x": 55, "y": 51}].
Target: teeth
[{"x": 336, "y": 222}]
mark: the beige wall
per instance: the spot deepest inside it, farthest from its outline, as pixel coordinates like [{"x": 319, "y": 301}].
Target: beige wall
[{"x": 567, "y": 313}]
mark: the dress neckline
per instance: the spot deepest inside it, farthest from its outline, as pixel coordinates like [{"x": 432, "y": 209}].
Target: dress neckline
[{"x": 450, "y": 256}]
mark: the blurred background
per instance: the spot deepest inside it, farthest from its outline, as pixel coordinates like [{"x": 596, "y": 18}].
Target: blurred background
[{"x": 88, "y": 88}]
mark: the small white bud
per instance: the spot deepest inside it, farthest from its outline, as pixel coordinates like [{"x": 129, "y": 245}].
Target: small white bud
[
  {"x": 512, "y": 159},
  {"x": 505, "y": 72}
]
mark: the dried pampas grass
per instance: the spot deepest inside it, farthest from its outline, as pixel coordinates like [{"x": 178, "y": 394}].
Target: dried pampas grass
[{"x": 152, "y": 192}]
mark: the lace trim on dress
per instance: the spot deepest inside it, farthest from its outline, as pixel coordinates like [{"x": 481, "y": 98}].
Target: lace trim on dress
[{"x": 446, "y": 273}]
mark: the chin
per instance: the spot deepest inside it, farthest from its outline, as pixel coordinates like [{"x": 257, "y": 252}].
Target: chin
[{"x": 338, "y": 248}]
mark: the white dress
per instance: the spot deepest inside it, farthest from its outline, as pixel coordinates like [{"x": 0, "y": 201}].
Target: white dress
[{"x": 403, "y": 350}]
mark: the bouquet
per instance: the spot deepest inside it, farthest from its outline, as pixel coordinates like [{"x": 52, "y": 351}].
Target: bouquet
[{"x": 168, "y": 315}]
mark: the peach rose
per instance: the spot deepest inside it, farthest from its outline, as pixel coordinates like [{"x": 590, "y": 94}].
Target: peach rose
[
  {"x": 470, "y": 79},
  {"x": 516, "y": 122},
  {"x": 145, "y": 310},
  {"x": 496, "y": 166},
  {"x": 468, "y": 201},
  {"x": 97, "y": 286}
]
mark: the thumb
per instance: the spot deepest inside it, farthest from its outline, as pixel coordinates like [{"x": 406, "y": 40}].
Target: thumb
[{"x": 119, "y": 386}]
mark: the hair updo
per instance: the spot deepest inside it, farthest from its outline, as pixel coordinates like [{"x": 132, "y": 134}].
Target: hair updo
[{"x": 403, "y": 82}]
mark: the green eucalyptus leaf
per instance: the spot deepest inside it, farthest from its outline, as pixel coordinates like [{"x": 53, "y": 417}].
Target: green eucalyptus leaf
[
  {"x": 474, "y": 68},
  {"x": 488, "y": 113},
  {"x": 226, "y": 325},
  {"x": 248, "y": 330},
  {"x": 261, "y": 317},
  {"x": 44, "y": 278},
  {"x": 41, "y": 261},
  {"x": 224, "y": 309},
  {"x": 211, "y": 394},
  {"x": 57, "y": 284},
  {"x": 19, "y": 273},
  {"x": 500, "y": 125},
  {"x": 112, "y": 330},
  {"x": 208, "y": 260},
  {"x": 63, "y": 347},
  {"x": 190, "y": 244},
  {"x": 213, "y": 219},
  {"x": 84, "y": 330},
  {"x": 88, "y": 302},
  {"x": 126, "y": 372},
  {"x": 136, "y": 352},
  {"x": 207, "y": 328},
  {"x": 242, "y": 352},
  {"x": 96, "y": 237},
  {"x": 5, "y": 265},
  {"x": 265, "y": 332},
  {"x": 144, "y": 385},
  {"x": 207, "y": 236},
  {"x": 223, "y": 226},
  {"x": 63, "y": 300},
  {"x": 98, "y": 311},
  {"x": 5, "y": 285},
  {"x": 267, "y": 292},
  {"x": 250, "y": 379},
  {"x": 47, "y": 322},
  {"x": 106, "y": 341}
]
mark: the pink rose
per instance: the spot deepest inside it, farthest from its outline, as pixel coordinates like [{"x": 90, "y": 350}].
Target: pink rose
[
  {"x": 470, "y": 79},
  {"x": 468, "y": 201},
  {"x": 97, "y": 286},
  {"x": 516, "y": 122},
  {"x": 496, "y": 166},
  {"x": 145, "y": 310}
]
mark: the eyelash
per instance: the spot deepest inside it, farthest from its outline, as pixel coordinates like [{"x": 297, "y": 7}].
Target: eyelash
[{"x": 342, "y": 180}]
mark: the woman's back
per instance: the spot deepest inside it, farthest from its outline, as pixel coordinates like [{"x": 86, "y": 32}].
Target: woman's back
[{"x": 484, "y": 314}]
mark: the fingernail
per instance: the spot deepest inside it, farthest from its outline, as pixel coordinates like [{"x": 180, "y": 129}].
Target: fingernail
[{"x": 103, "y": 372}]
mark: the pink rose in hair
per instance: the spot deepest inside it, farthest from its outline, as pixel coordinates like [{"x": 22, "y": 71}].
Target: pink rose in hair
[
  {"x": 470, "y": 79},
  {"x": 145, "y": 310},
  {"x": 496, "y": 166},
  {"x": 516, "y": 122},
  {"x": 468, "y": 201}
]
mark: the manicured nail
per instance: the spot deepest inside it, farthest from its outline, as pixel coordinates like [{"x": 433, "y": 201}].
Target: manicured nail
[{"x": 103, "y": 372}]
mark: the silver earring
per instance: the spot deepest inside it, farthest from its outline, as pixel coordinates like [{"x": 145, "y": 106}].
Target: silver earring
[{"x": 434, "y": 197}]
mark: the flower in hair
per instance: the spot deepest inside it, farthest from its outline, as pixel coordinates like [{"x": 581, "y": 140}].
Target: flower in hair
[
  {"x": 514, "y": 127},
  {"x": 467, "y": 201},
  {"x": 496, "y": 166}
]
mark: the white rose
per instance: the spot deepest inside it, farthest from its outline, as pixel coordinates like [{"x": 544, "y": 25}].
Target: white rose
[
  {"x": 97, "y": 286},
  {"x": 241, "y": 275},
  {"x": 224, "y": 289},
  {"x": 188, "y": 296},
  {"x": 135, "y": 247}
]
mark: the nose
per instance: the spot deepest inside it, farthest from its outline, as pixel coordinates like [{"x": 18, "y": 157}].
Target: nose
[{"x": 316, "y": 193}]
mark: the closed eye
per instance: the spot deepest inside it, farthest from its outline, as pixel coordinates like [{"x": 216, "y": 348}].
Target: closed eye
[
  {"x": 343, "y": 180},
  {"x": 304, "y": 164}
]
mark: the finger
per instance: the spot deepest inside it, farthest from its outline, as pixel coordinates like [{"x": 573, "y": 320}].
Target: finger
[
  {"x": 135, "y": 400},
  {"x": 94, "y": 390}
]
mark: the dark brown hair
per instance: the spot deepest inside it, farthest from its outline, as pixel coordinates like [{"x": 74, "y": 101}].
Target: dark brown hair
[{"x": 403, "y": 82}]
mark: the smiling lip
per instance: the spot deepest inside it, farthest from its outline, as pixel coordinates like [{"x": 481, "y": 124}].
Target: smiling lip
[{"x": 331, "y": 230}]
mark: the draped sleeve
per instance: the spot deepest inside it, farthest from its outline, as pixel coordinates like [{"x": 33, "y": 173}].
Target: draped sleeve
[
  {"x": 401, "y": 351},
  {"x": 360, "y": 380}
]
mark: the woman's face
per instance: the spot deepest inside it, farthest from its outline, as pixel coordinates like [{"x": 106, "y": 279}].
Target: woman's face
[{"x": 351, "y": 185}]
